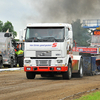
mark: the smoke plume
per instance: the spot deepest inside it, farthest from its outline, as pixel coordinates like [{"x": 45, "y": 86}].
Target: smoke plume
[{"x": 63, "y": 10}]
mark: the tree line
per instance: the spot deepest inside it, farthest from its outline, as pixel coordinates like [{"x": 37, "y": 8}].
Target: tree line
[
  {"x": 80, "y": 35},
  {"x": 7, "y": 25}
]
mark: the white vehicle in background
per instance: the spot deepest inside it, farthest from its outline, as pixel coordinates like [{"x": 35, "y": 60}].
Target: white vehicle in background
[
  {"x": 48, "y": 51},
  {"x": 7, "y": 50}
]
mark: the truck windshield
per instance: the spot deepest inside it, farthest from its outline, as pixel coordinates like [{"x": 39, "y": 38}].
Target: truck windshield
[
  {"x": 44, "y": 34},
  {"x": 95, "y": 39}
]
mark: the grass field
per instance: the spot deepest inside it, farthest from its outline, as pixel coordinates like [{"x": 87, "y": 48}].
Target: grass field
[{"x": 91, "y": 96}]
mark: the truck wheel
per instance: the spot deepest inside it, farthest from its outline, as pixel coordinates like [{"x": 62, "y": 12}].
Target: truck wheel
[
  {"x": 80, "y": 72},
  {"x": 6, "y": 66},
  {"x": 20, "y": 61},
  {"x": 12, "y": 64},
  {"x": 15, "y": 62},
  {"x": 1, "y": 62},
  {"x": 30, "y": 75},
  {"x": 68, "y": 74}
]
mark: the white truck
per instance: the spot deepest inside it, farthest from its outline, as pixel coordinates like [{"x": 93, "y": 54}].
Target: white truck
[
  {"x": 7, "y": 50},
  {"x": 48, "y": 51}
]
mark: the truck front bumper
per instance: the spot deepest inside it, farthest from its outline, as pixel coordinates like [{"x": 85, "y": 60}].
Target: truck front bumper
[{"x": 45, "y": 68}]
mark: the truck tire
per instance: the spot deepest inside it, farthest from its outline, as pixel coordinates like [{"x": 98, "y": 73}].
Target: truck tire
[
  {"x": 1, "y": 61},
  {"x": 12, "y": 63},
  {"x": 15, "y": 62},
  {"x": 20, "y": 61},
  {"x": 68, "y": 74},
  {"x": 6, "y": 66},
  {"x": 80, "y": 72},
  {"x": 30, "y": 75}
]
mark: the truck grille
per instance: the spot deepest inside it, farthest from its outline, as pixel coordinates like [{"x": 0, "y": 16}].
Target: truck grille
[
  {"x": 43, "y": 62},
  {"x": 43, "y": 53}
]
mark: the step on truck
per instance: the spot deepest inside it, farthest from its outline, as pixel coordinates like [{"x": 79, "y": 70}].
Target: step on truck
[{"x": 48, "y": 51}]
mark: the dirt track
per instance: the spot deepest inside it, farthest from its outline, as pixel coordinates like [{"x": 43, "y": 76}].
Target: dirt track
[{"x": 15, "y": 86}]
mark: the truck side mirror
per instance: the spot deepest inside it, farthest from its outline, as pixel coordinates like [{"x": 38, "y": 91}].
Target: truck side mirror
[
  {"x": 7, "y": 35},
  {"x": 21, "y": 32}
]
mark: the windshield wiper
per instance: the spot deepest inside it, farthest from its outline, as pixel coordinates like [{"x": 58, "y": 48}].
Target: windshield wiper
[
  {"x": 45, "y": 39},
  {"x": 56, "y": 40},
  {"x": 50, "y": 39},
  {"x": 35, "y": 39},
  {"x": 30, "y": 39}
]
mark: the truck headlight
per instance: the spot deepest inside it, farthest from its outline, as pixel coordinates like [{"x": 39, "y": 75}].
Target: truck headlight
[
  {"x": 28, "y": 68},
  {"x": 59, "y": 61},
  {"x": 27, "y": 61},
  {"x": 58, "y": 68}
]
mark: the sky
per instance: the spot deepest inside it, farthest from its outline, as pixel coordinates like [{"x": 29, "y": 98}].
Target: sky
[{"x": 22, "y": 12}]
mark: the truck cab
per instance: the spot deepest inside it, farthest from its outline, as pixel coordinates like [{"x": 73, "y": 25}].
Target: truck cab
[{"x": 48, "y": 50}]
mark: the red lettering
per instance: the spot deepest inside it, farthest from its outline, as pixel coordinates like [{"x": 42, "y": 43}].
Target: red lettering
[{"x": 54, "y": 44}]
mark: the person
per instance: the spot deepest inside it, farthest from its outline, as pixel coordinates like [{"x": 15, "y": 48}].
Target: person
[
  {"x": 36, "y": 34},
  {"x": 59, "y": 35},
  {"x": 50, "y": 33},
  {"x": 17, "y": 48}
]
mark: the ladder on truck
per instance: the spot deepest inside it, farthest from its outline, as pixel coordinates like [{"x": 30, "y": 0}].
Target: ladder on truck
[{"x": 91, "y": 23}]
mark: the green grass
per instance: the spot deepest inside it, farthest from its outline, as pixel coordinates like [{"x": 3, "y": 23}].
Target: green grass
[{"x": 91, "y": 96}]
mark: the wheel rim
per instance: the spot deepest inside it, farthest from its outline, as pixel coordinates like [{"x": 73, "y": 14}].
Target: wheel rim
[
  {"x": 69, "y": 72},
  {"x": 81, "y": 71},
  {"x": 12, "y": 63}
]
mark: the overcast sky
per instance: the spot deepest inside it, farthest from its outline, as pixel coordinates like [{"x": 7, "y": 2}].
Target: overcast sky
[{"x": 21, "y": 12}]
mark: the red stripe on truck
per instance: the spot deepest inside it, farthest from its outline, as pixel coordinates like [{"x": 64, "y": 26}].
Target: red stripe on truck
[{"x": 45, "y": 68}]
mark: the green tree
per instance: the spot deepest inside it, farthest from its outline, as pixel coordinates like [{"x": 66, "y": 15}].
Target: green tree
[
  {"x": 79, "y": 33},
  {"x": 1, "y": 25},
  {"x": 8, "y": 25}
]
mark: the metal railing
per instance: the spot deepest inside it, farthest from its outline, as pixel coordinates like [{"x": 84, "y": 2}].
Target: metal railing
[{"x": 91, "y": 23}]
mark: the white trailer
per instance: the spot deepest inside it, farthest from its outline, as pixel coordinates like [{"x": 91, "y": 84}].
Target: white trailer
[
  {"x": 48, "y": 51},
  {"x": 7, "y": 50}
]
